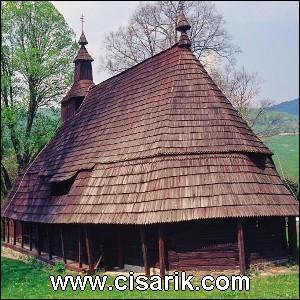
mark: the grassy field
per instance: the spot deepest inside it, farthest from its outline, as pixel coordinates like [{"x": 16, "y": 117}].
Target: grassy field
[
  {"x": 31, "y": 281},
  {"x": 286, "y": 154}
]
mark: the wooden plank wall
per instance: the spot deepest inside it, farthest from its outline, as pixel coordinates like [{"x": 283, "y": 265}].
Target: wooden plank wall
[
  {"x": 202, "y": 245},
  {"x": 265, "y": 240},
  {"x": 26, "y": 228},
  {"x": 198, "y": 245},
  {"x": 18, "y": 230},
  {"x": 133, "y": 248},
  {"x": 106, "y": 243},
  {"x": 71, "y": 235},
  {"x": 56, "y": 241},
  {"x": 152, "y": 242}
]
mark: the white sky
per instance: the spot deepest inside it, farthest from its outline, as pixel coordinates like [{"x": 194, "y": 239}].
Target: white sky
[{"x": 266, "y": 31}]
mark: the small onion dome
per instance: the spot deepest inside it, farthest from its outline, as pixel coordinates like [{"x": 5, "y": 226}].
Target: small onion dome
[
  {"x": 183, "y": 26},
  {"x": 83, "y": 53},
  {"x": 82, "y": 40}
]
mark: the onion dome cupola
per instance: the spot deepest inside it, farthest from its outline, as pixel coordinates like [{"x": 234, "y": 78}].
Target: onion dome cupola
[{"x": 183, "y": 26}]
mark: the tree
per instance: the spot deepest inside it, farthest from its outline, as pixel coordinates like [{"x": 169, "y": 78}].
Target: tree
[
  {"x": 36, "y": 50},
  {"x": 239, "y": 86},
  {"x": 152, "y": 29},
  {"x": 293, "y": 187},
  {"x": 243, "y": 90}
]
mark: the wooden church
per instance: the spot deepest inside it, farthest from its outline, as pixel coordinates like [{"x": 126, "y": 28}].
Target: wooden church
[{"x": 152, "y": 168}]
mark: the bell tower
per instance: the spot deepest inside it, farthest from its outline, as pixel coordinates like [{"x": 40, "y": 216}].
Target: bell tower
[{"x": 83, "y": 80}]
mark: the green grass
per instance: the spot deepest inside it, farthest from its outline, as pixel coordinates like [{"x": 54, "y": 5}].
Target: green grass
[
  {"x": 30, "y": 281},
  {"x": 286, "y": 154}
]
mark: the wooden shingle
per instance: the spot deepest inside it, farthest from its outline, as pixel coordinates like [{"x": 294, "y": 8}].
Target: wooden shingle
[{"x": 157, "y": 143}]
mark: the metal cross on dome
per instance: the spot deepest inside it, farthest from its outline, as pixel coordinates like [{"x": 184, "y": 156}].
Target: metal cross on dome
[{"x": 82, "y": 21}]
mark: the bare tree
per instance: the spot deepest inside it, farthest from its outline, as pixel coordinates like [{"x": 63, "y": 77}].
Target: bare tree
[
  {"x": 243, "y": 91},
  {"x": 239, "y": 86},
  {"x": 151, "y": 29},
  {"x": 263, "y": 123}
]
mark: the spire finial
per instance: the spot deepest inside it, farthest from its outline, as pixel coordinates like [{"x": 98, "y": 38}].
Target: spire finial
[
  {"x": 82, "y": 21},
  {"x": 82, "y": 40},
  {"x": 183, "y": 26}
]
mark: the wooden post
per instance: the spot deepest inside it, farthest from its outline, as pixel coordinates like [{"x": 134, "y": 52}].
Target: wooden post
[
  {"x": 292, "y": 237},
  {"x": 145, "y": 251},
  {"x": 49, "y": 236},
  {"x": 241, "y": 246},
  {"x": 3, "y": 230},
  {"x": 63, "y": 252},
  {"x": 161, "y": 247},
  {"x": 15, "y": 232},
  {"x": 30, "y": 236},
  {"x": 89, "y": 251},
  {"x": 79, "y": 248},
  {"x": 7, "y": 225},
  {"x": 120, "y": 251},
  {"x": 38, "y": 239},
  {"x": 22, "y": 234}
]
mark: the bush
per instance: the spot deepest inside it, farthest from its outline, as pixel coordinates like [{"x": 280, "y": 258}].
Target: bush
[
  {"x": 59, "y": 267},
  {"x": 34, "y": 262}
]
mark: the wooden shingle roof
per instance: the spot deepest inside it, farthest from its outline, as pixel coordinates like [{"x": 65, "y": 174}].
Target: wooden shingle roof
[
  {"x": 79, "y": 89},
  {"x": 83, "y": 54},
  {"x": 156, "y": 143}
]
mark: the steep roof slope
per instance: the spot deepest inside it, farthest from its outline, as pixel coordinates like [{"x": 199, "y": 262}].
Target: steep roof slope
[
  {"x": 165, "y": 105},
  {"x": 156, "y": 143}
]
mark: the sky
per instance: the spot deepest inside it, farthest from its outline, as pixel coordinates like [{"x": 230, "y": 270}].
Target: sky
[{"x": 267, "y": 33}]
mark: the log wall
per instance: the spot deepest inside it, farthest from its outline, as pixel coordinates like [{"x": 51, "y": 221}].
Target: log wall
[
  {"x": 197, "y": 245},
  {"x": 265, "y": 240},
  {"x": 133, "y": 254},
  {"x": 202, "y": 245}
]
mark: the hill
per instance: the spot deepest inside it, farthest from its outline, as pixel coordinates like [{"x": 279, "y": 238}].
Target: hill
[
  {"x": 276, "y": 123},
  {"x": 279, "y": 119},
  {"x": 289, "y": 107},
  {"x": 286, "y": 155}
]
